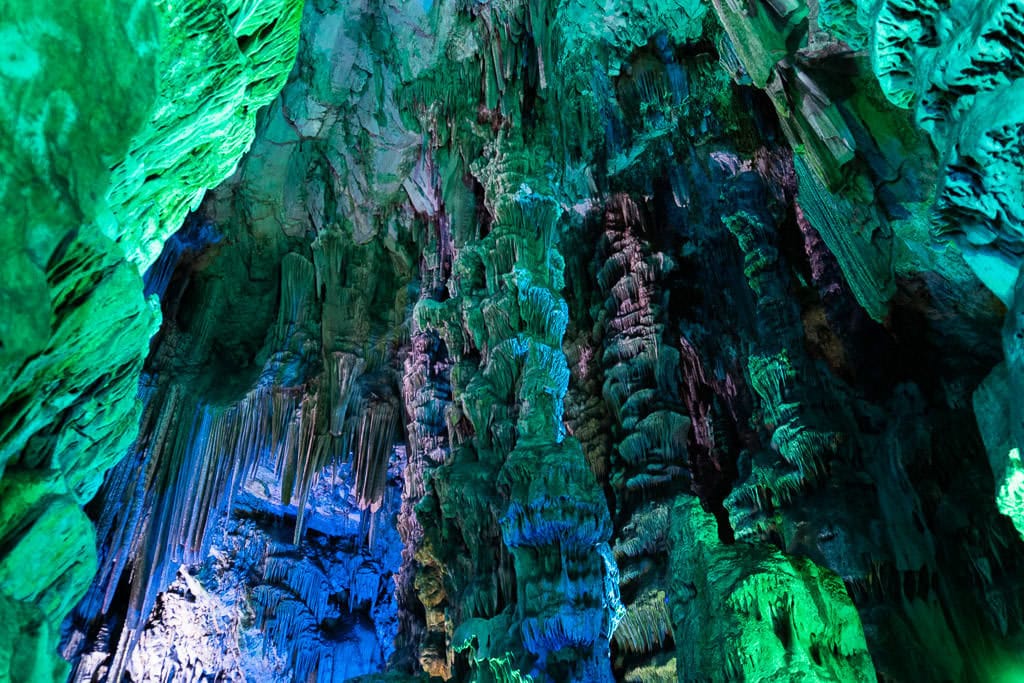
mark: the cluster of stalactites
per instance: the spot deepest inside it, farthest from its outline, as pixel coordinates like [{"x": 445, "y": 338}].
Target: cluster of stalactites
[
  {"x": 300, "y": 594},
  {"x": 649, "y": 458},
  {"x": 506, "y": 311},
  {"x": 194, "y": 455},
  {"x": 347, "y": 409},
  {"x": 800, "y": 441},
  {"x": 162, "y": 502},
  {"x": 640, "y": 369}
]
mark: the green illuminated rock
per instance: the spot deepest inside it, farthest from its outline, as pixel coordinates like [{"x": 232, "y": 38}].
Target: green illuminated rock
[
  {"x": 749, "y": 613},
  {"x": 116, "y": 118}
]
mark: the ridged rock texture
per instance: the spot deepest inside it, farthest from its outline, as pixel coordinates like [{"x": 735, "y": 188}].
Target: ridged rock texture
[
  {"x": 117, "y": 117},
  {"x": 515, "y": 340}
]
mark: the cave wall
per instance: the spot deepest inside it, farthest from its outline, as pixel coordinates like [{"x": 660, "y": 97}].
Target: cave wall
[{"x": 117, "y": 118}]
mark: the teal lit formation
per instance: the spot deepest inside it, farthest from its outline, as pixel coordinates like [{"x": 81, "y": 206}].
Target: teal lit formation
[{"x": 508, "y": 341}]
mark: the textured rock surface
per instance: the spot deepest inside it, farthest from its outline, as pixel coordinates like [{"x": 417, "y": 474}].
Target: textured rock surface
[
  {"x": 258, "y": 607},
  {"x": 786, "y": 618},
  {"x": 679, "y": 310},
  {"x": 116, "y": 118}
]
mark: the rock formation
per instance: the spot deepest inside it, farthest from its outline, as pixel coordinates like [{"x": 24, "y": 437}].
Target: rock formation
[
  {"x": 513, "y": 340},
  {"x": 117, "y": 118}
]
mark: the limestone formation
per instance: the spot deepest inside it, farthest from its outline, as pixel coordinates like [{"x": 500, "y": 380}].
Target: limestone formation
[{"x": 511, "y": 341}]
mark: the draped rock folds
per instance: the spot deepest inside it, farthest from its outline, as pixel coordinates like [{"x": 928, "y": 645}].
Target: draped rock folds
[{"x": 786, "y": 617}]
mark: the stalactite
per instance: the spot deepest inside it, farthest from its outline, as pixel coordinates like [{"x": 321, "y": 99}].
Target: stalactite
[
  {"x": 371, "y": 444},
  {"x": 521, "y": 380},
  {"x": 800, "y": 434},
  {"x": 195, "y": 458},
  {"x": 426, "y": 396},
  {"x": 650, "y": 456},
  {"x": 304, "y": 455},
  {"x": 297, "y": 284},
  {"x": 343, "y": 370}
]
